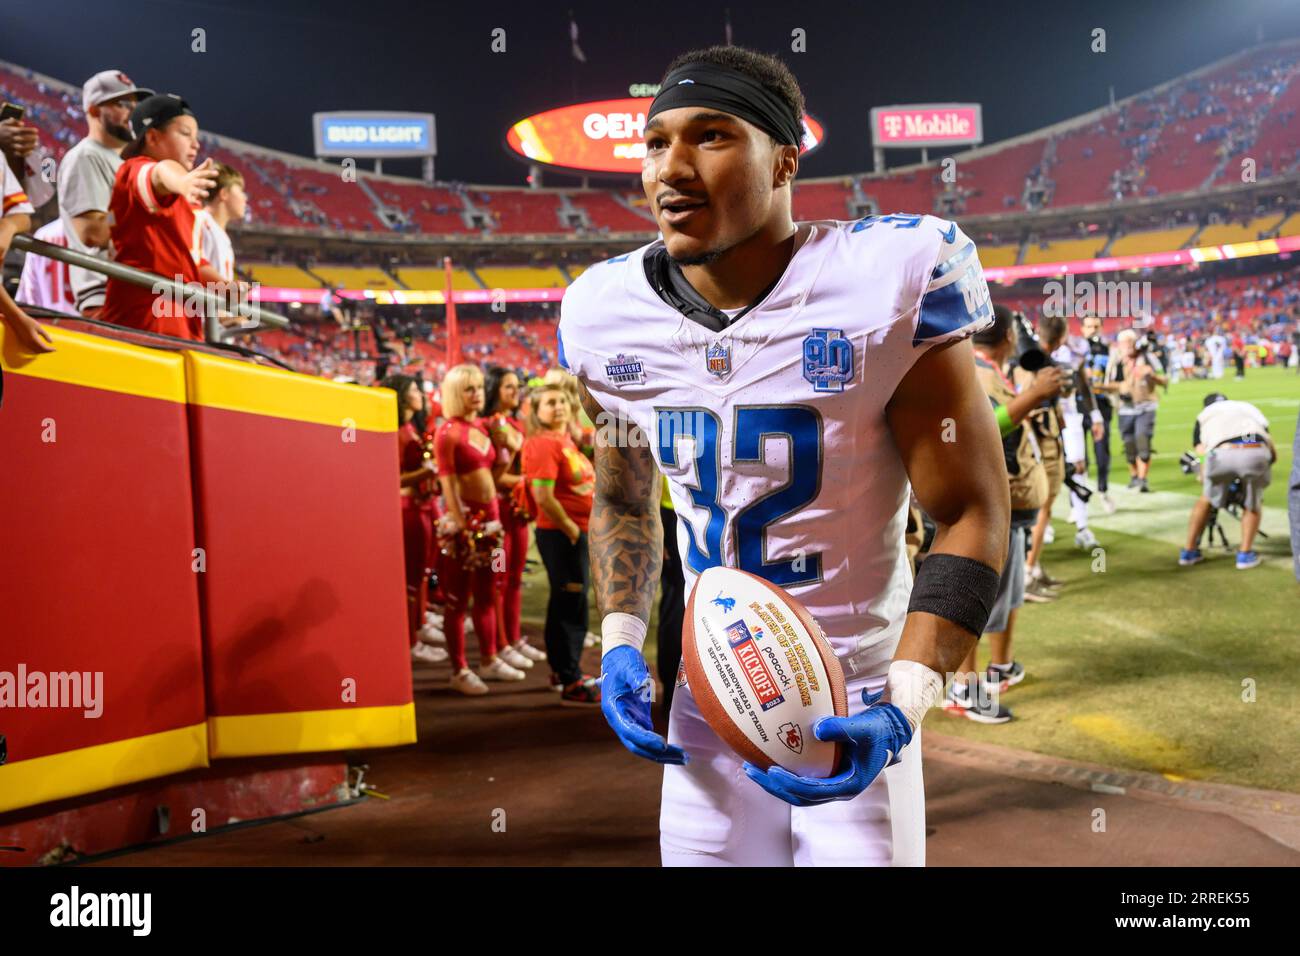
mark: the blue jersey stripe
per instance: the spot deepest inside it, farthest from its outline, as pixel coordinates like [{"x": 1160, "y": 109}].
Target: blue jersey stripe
[{"x": 943, "y": 311}]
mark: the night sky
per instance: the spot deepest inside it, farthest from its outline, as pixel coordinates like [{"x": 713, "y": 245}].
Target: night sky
[{"x": 271, "y": 63}]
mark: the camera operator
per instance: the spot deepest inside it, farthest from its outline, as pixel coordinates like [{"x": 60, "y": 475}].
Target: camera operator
[
  {"x": 1133, "y": 375},
  {"x": 994, "y": 347},
  {"x": 1236, "y": 468},
  {"x": 1033, "y": 355}
]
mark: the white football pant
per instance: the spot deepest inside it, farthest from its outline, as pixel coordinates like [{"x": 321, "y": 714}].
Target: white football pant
[{"x": 713, "y": 815}]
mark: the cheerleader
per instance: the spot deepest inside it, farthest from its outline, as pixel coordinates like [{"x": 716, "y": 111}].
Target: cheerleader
[
  {"x": 469, "y": 531},
  {"x": 417, "y": 531},
  {"x": 500, "y": 412}
]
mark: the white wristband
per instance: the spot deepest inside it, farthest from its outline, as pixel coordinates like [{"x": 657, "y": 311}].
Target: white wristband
[
  {"x": 913, "y": 688},
  {"x": 1097, "y": 417},
  {"x": 619, "y": 629}
]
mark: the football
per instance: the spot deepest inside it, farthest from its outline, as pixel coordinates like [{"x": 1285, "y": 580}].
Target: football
[{"x": 761, "y": 671}]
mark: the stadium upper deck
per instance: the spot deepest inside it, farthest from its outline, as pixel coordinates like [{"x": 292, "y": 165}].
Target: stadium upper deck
[{"x": 1186, "y": 135}]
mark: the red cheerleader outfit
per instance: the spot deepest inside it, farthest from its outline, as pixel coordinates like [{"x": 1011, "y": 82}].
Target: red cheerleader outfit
[
  {"x": 515, "y": 529},
  {"x": 462, "y": 447},
  {"x": 417, "y": 530}
]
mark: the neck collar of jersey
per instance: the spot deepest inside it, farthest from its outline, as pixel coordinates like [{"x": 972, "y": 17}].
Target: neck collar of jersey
[{"x": 671, "y": 285}]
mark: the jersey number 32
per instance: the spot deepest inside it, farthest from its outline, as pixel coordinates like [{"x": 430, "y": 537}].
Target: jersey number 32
[{"x": 681, "y": 431}]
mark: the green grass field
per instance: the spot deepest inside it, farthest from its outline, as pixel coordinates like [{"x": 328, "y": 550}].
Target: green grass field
[{"x": 1189, "y": 672}]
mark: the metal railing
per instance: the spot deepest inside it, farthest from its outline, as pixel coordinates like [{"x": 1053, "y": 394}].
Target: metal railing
[{"x": 214, "y": 331}]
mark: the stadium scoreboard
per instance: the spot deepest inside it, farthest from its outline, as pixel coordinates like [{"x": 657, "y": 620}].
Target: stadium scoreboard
[{"x": 602, "y": 136}]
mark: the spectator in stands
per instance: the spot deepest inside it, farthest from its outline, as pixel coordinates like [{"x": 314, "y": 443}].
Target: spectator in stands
[
  {"x": 562, "y": 482},
  {"x": 417, "y": 474},
  {"x": 225, "y": 203},
  {"x": 1136, "y": 373},
  {"x": 500, "y": 411},
  {"x": 17, "y": 218},
  {"x": 331, "y": 305},
  {"x": 46, "y": 283},
  {"x": 154, "y": 228},
  {"x": 1237, "y": 466},
  {"x": 86, "y": 177},
  {"x": 469, "y": 531},
  {"x": 18, "y": 140}
]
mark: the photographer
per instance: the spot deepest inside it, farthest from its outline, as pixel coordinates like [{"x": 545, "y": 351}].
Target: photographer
[
  {"x": 994, "y": 347},
  {"x": 1237, "y": 467},
  {"x": 1133, "y": 376},
  {"x": 1061, "y": 447}
]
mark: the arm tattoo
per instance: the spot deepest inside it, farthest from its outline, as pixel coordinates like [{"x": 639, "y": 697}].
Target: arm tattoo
[{"x": 625, "y": 534}]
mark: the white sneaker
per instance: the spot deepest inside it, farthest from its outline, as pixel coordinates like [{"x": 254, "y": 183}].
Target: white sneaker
[
  {"x": 1107, "y": 503},
  {"x": 424, "y": 654},
  {"x": 433, "y": 619},
  {"x": 1085, "y": 539},
  {"x": 468, "y": 683},
  {"x": 515, "y": 659},
  {"x": 530, "y": 652},
  {"x": 500, "y": 670},
  {"x": 431, "y": 635},
  {"x": 591, "y": 640},
  {"x": 469, "y": 626},
  {"x": 1049, "y": 535}
]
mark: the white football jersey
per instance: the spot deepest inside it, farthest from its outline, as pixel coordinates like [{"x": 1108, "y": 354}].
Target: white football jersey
[
  {"x": 216, "y": 245},
  {"x": 772, "y": 432},
  {"x": 46, "y": 282}
]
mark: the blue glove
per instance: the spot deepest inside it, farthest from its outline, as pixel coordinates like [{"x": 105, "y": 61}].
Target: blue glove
[
  {"x": 625, "y": 691},
  {"x": 872, "y": 741}
]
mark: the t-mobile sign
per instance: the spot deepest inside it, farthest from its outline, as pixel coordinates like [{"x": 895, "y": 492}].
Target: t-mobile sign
[{"x": 933, "y": 124}]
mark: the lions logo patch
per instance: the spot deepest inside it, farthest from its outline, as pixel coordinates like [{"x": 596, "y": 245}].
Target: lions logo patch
[{"x": 827, "y": 360}]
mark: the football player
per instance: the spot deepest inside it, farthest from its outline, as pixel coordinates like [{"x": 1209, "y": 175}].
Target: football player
[{"x": 789, "y": 379}]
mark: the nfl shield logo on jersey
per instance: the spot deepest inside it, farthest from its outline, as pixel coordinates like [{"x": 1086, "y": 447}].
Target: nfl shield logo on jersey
[
  {"x": 718, "y": 359},
  {"x": 827, "y": 360}
]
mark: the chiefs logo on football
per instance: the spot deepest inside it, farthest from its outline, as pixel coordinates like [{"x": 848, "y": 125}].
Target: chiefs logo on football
[{"x": 791, "y": 736}]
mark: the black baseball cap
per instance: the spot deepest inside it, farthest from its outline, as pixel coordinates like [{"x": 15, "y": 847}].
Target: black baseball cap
[
  {"x": 1212, "y": 398},
  {"x": 155, "y": 111}
]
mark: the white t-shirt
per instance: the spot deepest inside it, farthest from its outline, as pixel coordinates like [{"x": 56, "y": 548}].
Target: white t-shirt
[
  {"x": 45, "y": 282},
  {"x": 216, "y": 246},
  {"x": 1226, "y": 420}
]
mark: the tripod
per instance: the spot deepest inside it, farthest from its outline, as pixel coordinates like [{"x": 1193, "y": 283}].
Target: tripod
[{"x": 1233, "y": 508}]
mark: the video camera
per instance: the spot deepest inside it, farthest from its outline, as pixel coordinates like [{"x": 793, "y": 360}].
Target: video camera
[{"x": 1031, "y": 356}]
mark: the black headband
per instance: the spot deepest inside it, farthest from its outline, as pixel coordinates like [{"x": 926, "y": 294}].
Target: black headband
[{"x": 725, "y": 89}]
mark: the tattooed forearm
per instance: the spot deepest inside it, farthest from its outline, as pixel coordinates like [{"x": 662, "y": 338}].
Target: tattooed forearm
[{"x": 625, "y": 535}]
